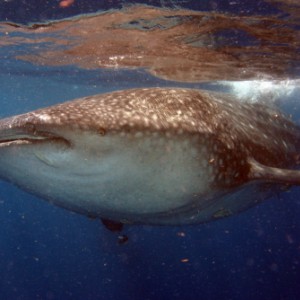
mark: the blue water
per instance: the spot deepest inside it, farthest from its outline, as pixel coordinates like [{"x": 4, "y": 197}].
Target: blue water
[{"x": 50, "y": 253}]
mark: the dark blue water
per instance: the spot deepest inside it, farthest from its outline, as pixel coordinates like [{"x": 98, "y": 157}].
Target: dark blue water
[
  {"x": 37, "y": 10},
  {"x": 49, "y": 253}
]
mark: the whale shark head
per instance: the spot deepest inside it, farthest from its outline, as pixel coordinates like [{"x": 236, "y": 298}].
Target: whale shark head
[{"x": 157, "y": 156}]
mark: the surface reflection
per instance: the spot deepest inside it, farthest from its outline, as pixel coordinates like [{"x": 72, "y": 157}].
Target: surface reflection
[{"x": 173, "y": 44}]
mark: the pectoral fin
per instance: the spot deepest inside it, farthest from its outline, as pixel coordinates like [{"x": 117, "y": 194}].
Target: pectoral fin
[
  {"x": 112, "y": 225},
  {"x": 262, "y": 172}
]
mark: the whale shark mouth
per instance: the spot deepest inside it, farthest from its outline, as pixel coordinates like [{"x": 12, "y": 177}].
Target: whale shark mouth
[{"x": 23, "y": 136}]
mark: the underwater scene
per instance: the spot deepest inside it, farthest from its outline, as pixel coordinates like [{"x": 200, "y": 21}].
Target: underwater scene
[{"x": 176, "y": 173}]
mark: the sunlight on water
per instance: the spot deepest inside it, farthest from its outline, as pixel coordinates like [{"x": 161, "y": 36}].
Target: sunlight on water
[{"x": 265, "y": 91}]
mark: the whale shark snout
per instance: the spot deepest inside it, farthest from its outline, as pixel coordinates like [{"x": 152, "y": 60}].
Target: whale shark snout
[{"x": 151, "y": 156}]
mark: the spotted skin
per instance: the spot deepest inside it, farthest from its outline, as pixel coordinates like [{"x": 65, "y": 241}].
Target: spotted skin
[{"x": 170, "y": 155}]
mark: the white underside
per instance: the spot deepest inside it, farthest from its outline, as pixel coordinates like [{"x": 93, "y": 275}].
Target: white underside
[{"x": 146, "y": 179}]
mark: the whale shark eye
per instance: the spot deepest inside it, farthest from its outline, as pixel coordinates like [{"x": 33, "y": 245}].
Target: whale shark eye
[{"x": 101, "y": 131}]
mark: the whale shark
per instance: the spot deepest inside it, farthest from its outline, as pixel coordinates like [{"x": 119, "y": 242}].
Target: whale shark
[{"x": 156, "y": 156}]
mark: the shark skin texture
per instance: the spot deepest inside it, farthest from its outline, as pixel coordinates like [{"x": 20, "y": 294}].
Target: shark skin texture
[{"x": 157, "y": 156}]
